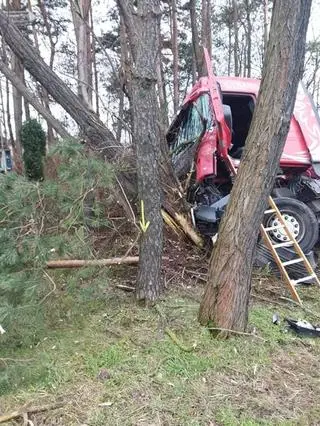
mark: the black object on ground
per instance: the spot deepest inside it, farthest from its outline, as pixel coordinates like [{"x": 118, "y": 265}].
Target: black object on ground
[{"x": 304, "y": 327}]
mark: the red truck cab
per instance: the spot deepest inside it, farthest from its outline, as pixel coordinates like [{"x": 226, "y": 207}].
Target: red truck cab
[{"x": 206, "y": 141}]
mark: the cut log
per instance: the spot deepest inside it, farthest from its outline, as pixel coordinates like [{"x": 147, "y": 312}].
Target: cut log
[{"x": 77, "y": 263}]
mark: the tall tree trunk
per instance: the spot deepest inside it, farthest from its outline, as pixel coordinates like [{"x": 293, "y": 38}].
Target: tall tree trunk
[
  {"x": 144, "y": 26},
  {"x": 3, "y": 113},
  {"x": 162, "y": 96},
  {"x": 249, "y": 36},
  {"x": 236, "y": 37},
  {"x": 226, "y": 297},
  {"x": 206, "y": 37},
  {"x": 17, "y": 154},
  {"x": 95, "y": 68},
  {"x": 175, "y": 56},
  {"x": 81, "y": 21},
  {"x": 43, "y": 92},
  {"x": 196, "y": 42},
  {"x": 265, "y": 27},
  {"x": 17, "y": 68}
]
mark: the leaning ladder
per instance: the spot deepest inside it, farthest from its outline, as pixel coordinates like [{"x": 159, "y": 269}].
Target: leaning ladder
[{"x": 290, "y": 243}]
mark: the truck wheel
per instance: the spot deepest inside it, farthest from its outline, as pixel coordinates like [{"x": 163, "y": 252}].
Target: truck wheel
[{"x": 300, "y": 219}]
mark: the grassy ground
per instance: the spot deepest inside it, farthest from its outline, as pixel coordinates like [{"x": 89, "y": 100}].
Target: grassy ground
[{"x": 103, "y": 360}]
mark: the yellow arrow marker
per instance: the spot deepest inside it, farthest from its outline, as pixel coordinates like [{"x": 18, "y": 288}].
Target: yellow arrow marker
[{"x": 143, "y": 224}]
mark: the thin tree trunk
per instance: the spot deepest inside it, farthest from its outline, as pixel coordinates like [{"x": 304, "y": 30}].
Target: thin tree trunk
[
  {"x": 175, "y": 57},
  {"x": 5, "y": 130},
  {"x": 196, "y": 42},
  {"x": 206, "y": 37},
  {"x": 236, "y": 37},
  {"x": 265, "y": 27},
  {"x": 120, "y": 116},
  {"x": 162, "y": 96},
  {"x": 94, "y": 64},
  {"x": 17, "y": 157},
  {"x": 42, "y": 92},
  {"x": 226, "y": 297},
  {"x": 230, "y": 20},
  {"x": 17, "y": 68},
  {"x": 26, "y": 103},
  {"x": 81, "y": 21},
  {"x": 249, "y": 37}
]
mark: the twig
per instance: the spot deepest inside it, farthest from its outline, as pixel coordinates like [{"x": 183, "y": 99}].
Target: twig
[
  {"x": 4, "y": 360},
  {"x": 128, "y": 203},
  {"x": 242, "y": 333},
  {"x": 132, "y": 245},
  {"x": 32, "y": 410},
  {"x": 125, "y": 287},
  {"x": 51, "y": 291},
  {"x": 175, "y": 340}
]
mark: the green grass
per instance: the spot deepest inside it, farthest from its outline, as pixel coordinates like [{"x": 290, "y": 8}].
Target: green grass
[{"x": 95, "y": 345}]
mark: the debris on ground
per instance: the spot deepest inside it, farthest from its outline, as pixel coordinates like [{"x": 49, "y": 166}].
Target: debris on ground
[{"x": 304, "y": 327}]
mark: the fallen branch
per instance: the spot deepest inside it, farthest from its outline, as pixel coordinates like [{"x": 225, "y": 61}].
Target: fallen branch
[
  {"x": 226, "y": 331},
  {"x": 32, "y": 410},
  {"x": 76, "y": 263},
  {"x": 54, "y": 287},
  {"x": 125, "y": 287},
  {"x": 175, "y": 340},
  {"x": 265, "y": 299}
]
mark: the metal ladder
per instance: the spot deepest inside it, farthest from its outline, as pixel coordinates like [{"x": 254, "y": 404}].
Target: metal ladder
[{"x": 290, "y": 243}]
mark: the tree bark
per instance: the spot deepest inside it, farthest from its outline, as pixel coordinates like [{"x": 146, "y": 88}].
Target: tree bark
[
  {"x": 206, "y": 37},
  {"x": 162, "y": 95},
  {"x": 265, "y": 27},
  {"x": 22, "y": 89},
  {"x": 42, "y": 92},
  {"x": 249, "y": 36},
  {"x": 226, "y": 297},
  {"x": 18, "y": 69},
  {"x": 196, "y": 42},
  {"x": 81, "y": 21},
  {"x": 236, "y": 38},
  {"x": 175, "y": 56},
  {"x": 95, "y": 68},
  {"x": 144, "y": 23}
]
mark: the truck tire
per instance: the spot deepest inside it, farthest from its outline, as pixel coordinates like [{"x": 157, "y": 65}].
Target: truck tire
[{"x": 300, "y": 219}]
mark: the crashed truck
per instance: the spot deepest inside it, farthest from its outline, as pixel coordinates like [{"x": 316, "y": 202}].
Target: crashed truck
[{"x": 220, "y": 109}]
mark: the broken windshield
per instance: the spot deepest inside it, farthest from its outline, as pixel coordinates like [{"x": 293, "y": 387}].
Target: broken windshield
[{"x": 189, "y": 126}]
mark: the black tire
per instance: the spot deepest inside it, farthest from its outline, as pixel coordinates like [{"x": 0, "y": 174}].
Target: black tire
[{"x": 299, "y": 212}]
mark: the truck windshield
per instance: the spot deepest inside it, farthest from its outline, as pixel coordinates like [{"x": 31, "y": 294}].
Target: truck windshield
[{"x": 189, "y": 125}]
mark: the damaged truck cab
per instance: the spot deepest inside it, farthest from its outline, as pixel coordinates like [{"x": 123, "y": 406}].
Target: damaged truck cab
[{"x": 206, "y": 142}]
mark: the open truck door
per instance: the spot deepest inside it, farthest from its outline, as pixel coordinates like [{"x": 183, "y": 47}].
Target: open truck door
[{"x": 224, "y": 132}]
